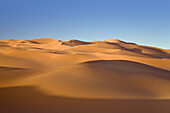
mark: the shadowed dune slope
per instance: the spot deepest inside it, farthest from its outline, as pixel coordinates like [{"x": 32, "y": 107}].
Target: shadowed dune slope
[{"x": 29, "y": 100}]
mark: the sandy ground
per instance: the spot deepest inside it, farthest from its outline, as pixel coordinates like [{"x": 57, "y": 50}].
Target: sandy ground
[{"x": 112, "y": 76}]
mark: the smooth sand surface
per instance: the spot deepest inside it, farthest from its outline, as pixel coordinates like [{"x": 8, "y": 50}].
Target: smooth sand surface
[{"x": 111, "y": 76}]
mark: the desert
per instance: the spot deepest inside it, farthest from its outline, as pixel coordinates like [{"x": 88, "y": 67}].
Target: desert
[{"x": 46, "y": 75}]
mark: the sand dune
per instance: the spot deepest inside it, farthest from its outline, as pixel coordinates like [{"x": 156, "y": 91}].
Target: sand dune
[{"x": 97, "y": 76}]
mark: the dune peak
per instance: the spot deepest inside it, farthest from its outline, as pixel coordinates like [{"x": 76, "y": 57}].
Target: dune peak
[
  {"x": 75, "y": 42},
  {"x": 113, "y": 40}
]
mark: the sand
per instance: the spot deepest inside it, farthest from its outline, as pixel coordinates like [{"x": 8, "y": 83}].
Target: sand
[{"x": 111, "y": 76}]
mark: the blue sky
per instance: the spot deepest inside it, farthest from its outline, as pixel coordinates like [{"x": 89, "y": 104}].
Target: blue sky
[{"x": 141, "y": 21}]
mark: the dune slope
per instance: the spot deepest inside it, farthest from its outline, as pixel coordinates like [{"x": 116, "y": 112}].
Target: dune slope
[{"x": 114, "y": 79}]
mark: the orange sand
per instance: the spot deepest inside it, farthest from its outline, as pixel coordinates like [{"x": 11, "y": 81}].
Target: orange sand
[{"x": 112, "y": 76}]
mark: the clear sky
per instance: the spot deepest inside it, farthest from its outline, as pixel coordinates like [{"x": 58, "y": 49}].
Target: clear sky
[{"x": 140, "y": 21}]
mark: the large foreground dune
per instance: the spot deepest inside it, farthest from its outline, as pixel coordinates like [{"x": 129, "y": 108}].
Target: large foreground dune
[{"x": 111, "y": 76}]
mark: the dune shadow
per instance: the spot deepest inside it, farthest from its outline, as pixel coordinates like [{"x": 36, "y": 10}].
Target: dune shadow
[
  {"x": 154, "y": 71},
  {"x": 11, "y": 68},
  {"x": 125, "y": 62},
  {"x": 29, "y": 100}
]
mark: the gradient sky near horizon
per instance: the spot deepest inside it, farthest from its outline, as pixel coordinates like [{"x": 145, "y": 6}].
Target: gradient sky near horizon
[{"x": 141, "y": 21}]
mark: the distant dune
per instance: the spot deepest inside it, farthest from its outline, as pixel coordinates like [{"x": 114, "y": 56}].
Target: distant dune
[{"x": 111, "y": 76}]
